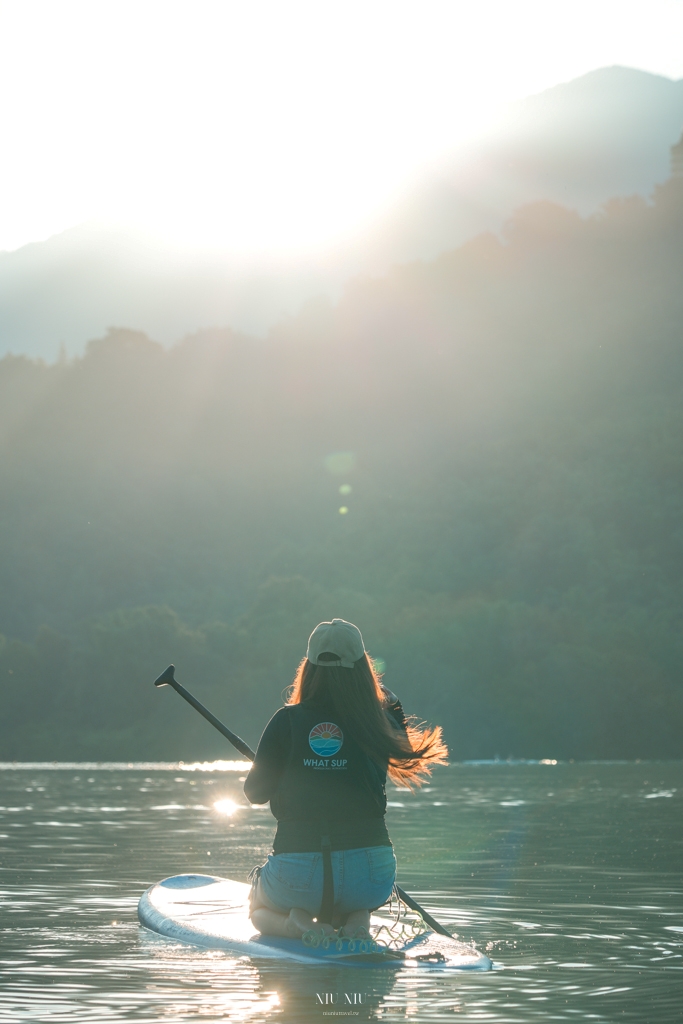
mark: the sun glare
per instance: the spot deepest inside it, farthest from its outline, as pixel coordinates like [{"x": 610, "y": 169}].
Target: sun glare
[
  {"x": 269, "y": 126},
  {"x": 227, "y": 807}
]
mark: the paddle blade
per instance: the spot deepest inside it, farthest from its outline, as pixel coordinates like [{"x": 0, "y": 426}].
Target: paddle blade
[{"x": 166, "y": 677}]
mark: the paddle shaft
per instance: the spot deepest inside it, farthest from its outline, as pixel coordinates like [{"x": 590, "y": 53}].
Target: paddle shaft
[
  {"x": 240, "y": 745},
  {"x": 167, "y": 679},
  {"x": 426, "y": 917}
]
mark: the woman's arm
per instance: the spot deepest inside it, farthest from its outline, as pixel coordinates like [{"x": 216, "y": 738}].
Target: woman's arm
[
  {"x": 393, "y": 707},
  {"x": 271, "y": 757}
]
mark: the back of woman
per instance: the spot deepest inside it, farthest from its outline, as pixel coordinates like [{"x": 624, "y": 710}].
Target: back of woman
[
  {"x": 327, "y": 784},
  {"x": 322, "y": 763}
]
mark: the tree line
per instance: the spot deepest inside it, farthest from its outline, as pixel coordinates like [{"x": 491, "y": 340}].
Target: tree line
[{"x": 477, "y": 459}]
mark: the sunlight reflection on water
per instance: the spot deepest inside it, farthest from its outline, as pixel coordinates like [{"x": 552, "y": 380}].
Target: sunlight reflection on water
[{"x": 569, "y": 876}]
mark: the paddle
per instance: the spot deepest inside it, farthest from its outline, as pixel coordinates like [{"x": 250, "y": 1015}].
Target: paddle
[{"x": 167, "y": 678}]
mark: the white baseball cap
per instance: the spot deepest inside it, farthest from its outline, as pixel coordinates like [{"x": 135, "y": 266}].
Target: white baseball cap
[{"x": 337, "y": 637}]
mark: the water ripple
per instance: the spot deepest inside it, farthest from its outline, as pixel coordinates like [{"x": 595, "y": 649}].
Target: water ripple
[{"x": 569, "y": 876}]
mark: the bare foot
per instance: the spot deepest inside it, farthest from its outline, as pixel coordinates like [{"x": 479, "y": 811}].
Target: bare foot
[
  {"x": 356, "y": 921},
  {"x": 299, "y": 921}
]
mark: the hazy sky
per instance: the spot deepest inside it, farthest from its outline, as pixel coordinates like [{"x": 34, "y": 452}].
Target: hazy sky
[{"x": 261, "y": 124}]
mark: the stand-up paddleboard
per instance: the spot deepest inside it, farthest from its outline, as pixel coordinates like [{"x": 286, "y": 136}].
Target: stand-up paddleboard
[{"x": 213, "y": 912}]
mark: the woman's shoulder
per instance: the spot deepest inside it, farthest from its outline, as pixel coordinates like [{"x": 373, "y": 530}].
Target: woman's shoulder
[
  {"x": 304, "y": 706},
  {"x": 288, "y": 712},
  {"x": 302, "y": 712},
  {"x": 277, "y": 723}
]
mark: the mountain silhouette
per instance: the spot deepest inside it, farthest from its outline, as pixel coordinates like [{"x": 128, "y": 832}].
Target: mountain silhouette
[{"x": 605, "y": 134}]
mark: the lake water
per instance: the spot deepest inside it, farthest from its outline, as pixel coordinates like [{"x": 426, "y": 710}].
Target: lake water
[{"x": 569, "y": 875}]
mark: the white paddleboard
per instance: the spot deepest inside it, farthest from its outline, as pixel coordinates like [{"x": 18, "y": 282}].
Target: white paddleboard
[{"x": 213, "y": 912}]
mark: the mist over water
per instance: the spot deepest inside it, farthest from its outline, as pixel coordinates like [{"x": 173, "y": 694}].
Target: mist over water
[{"x": 568, "y": 875}]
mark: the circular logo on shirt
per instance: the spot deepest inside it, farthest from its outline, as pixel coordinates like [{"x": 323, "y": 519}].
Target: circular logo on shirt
[{"x": 325, "y": 739}]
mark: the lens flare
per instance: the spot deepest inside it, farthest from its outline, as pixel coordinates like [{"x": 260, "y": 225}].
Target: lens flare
[{"x": 339, "y": 463}]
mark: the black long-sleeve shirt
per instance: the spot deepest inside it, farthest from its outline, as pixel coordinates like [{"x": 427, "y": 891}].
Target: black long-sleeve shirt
[{"x": 319, "y": 781}]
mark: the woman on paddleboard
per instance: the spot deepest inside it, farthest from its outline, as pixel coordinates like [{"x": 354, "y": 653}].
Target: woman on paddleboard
[{"x": 322, "y": 762}]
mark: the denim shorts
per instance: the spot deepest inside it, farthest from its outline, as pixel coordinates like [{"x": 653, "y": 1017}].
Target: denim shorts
[{"x": 363, "y": 879}]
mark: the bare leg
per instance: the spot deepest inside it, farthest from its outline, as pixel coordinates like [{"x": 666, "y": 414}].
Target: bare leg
[
  {"x": 302, "y": 921},
  {"x": 290, "y": 925},
  {"x": 270, "y": 922}
]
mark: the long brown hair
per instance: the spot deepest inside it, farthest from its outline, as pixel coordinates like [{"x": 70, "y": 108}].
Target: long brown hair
[{"x": 356, "y": 697}]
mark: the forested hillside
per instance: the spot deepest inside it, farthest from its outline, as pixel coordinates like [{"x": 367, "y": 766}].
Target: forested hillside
[
  {"x": 504, "y": 428},
  {"x": 606, "y": 133}
]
